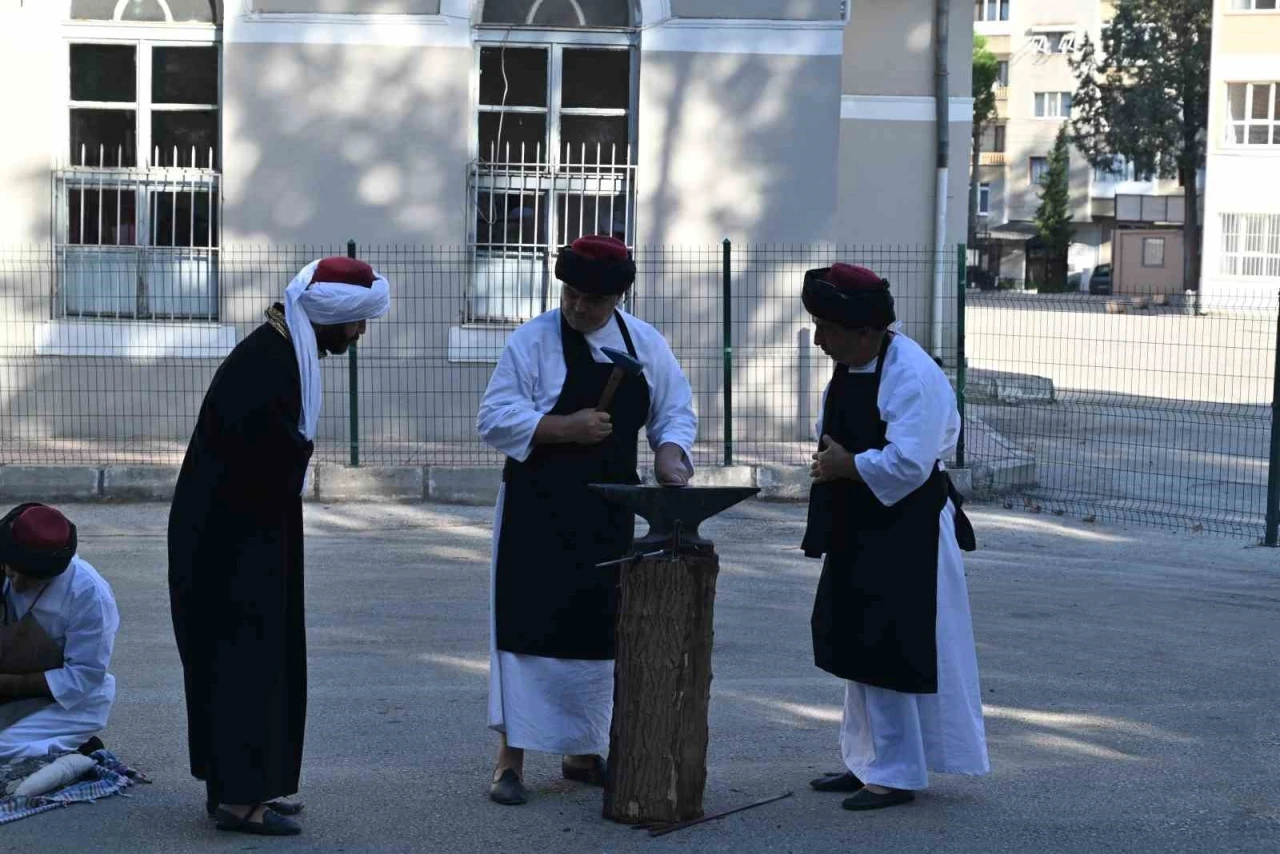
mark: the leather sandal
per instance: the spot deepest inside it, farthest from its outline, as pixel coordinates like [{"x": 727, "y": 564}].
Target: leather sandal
[
  {"x": 508, "y": 790},
  {"x": 593, "y": 774},
  {"x": 286, "y": 808},
  {"x": 272, "y": 824},
  {"x": 846, "y": 782}
]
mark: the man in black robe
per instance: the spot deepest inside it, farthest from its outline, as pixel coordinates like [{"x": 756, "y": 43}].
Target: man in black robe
[{"x": 235, "y": 547}]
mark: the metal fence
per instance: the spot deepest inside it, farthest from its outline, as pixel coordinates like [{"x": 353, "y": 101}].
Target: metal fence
[
  {"x": 125, "y": 390},
  {"x": 1132, "y": 408},
  {"x": 1124, "y": 408}
]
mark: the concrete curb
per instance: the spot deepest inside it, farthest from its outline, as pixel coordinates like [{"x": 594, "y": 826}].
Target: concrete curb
[{"x": 476, "y": 486}]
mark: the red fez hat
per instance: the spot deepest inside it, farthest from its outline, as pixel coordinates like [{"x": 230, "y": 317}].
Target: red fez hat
[
  {"x": 340, "y": 270},
  {"x": 597, "y": 264},
  {"x": 849, "y": 277},
  {"x": 849, "y": 295},
  {"x": 37, "y": 540}
]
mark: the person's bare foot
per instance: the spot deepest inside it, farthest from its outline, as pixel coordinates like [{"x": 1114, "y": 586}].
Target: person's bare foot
[
  {"x": 509, "y": 758},
  {"x": 241, "y": 811},
  {"x": 877, "y": 790}
]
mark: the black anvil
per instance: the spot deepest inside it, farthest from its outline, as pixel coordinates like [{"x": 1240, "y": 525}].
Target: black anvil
[{"x": 673, "y": 513}]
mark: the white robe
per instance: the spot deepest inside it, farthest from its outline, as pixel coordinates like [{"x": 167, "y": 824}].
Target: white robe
[
  {"x": 888, "y": 738},
  {"x": 78, "y": 610},
  {"x": 547, "y": 704}
]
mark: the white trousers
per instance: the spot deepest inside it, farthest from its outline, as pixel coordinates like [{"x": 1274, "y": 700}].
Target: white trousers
[
  {"x": 38, "y": 727},
  {"x": 894, "y": 740}
]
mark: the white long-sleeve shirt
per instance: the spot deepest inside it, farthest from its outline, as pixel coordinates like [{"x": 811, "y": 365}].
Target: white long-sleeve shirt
[
  {"x": 78, "y": 610},
  {"x": 531, "y": 371},
  {"x": 918, "y": 407}
]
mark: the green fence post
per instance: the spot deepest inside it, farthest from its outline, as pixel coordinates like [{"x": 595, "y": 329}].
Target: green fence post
[
  {"x": 728, "y": 352},
  {"x": 1272, "y": 536},
  {"x": 961, "y": 368},
  {"x": 353, "y": 387}
]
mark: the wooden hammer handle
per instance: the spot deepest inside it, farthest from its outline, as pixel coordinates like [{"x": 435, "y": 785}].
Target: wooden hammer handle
[{"x": 610, "y": 387}]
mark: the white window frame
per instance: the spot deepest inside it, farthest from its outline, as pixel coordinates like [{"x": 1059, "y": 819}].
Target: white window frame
[
  {"x": 1271, "y": 123},
  {"x": 984, "y": 199},
  {"x": 1250, "y": 252},
  {"x": 556, "y": 172},
  {"x": 1060, "y": 101},
  {"x": 1031, "y": 170},
  {"x": 1149, "y": 243},
  {"x": 1251, "y": 7},
  {"x": 982, "y": 8},
  {"x": 144, "y": 37}
]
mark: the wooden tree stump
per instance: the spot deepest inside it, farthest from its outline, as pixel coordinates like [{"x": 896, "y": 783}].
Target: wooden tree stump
[{"x": 662, "y": 690}]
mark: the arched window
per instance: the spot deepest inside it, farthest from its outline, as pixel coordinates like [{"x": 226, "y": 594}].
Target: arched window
[
  {"x": 149, "y": 11},
  {"x": 559, "y": 13}
]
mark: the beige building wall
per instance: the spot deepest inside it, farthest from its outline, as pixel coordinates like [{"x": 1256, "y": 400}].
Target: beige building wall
[
  {"x": 1246, "y": 49},
  {"x": 30, "y": 68},
  {"x": 329, "y": 142},
  {"x": 774, "y": 10}
]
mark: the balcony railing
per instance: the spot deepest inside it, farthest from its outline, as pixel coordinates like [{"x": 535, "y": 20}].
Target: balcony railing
[{"x": 992, "y": 158}]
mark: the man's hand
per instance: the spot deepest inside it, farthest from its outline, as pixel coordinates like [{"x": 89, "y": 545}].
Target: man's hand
[
  {"x": 588, "y": 427},
  {"x": 670, "y": 466},
  {"x": 835, "y": 463}
]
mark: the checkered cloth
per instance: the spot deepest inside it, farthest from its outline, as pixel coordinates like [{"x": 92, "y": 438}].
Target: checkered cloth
[{"x": 109, "y": 777}]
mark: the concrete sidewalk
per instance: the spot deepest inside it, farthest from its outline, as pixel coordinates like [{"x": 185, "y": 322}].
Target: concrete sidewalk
[{"x": 1130, "y": 678}]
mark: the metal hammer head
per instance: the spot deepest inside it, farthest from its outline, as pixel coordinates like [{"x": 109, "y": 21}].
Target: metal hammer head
[
  {"x": 665, "y": 508},
  {"x": 623, "y": 361}
]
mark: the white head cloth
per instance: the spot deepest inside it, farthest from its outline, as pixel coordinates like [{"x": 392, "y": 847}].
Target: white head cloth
[{"x": 325, "y": 303}]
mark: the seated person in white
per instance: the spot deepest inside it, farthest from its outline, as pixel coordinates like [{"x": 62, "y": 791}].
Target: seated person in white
[{"x": 58, "y": 628}]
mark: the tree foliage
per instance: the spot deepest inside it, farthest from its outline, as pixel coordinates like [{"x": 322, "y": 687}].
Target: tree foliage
[{"x": 1053, "y": 218}]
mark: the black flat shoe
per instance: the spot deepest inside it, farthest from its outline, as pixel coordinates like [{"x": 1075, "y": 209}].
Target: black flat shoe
[
  {"x": 592, "y": 775},
  {"x": 845, "y": 782},
  {"x": 272, "y": 824},
  {"x": 508, "y": 790},
  {"x": 866, "y": 799},
  {"x": 282, "y": 807}
]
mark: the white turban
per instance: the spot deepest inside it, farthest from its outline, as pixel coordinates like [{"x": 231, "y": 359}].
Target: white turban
[{"x": 324, "y": 303}]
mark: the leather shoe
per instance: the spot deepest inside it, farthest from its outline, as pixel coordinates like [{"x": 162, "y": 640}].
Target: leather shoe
[
  {"x": 865, "y": 799},
  {"x": 272, "y": 824},
  {"x": 286, "y": 808},
  {"x": 508, "y": 790},
  {"x": 593, "y": 774},
  {"x": 845, "y": 782}
]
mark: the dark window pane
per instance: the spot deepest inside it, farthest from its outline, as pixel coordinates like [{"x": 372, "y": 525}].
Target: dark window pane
[
  {"x": 597, "y": 78},
  {"x": 510, "y": 220},
  {"x": 525, "y": 84},
  {"x": 185, "y": 138},
  {"x": 171, "y": 219},
  {"x": 193, "y": 10},
  {"x": 593, "y": 139},
  {"x": 505, "y": 132},
  {"x": 1258, "y": 134},
  {"x": 584, "y": 215},
  {"x": 558, "y": 13},
  {"x": 184, "y": 75},
  {"x": 103, "y": 138},
  {"x": 103, "y": 72},
  {"x": 102, "y": 217},
  {"x": 1261, "y": 101}
]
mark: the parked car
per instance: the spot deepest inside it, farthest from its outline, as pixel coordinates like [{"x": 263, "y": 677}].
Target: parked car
[{"x": 1100, "y": 281}]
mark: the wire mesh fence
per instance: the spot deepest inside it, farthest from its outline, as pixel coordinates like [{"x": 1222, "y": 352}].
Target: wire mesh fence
[
  {"x": 1131, "y": 408},
  {"x": 1125, "y": 408},
  {"x": 123, "y": 388}
]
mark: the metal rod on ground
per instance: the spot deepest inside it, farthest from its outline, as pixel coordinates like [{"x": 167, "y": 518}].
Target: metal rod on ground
[
  {"x": 669, "y": 828},
  {"x": 1272, "y": 537},
  {"x": 353, "y": 387},
  {"x": 962, "y": 373},
  {"x": 728, "y": 353}
]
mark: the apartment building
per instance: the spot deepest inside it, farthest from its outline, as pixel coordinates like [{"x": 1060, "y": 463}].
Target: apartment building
[
  {"x": 1241, "y": 266},
  {"x": 1034, "y": 41}
]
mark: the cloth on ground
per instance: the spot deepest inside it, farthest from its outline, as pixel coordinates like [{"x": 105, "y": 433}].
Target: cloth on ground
[{"x": 108, "y": 777}]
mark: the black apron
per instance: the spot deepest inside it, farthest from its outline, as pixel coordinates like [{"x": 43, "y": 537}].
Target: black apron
[
  {"x": 875, "y": 615},
  {"x": 551, "y": 600}
]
